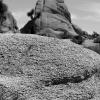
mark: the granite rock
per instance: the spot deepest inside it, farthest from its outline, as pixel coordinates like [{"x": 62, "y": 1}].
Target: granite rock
[
  {"x": 54, "y": 14},
  {"x": 40, "y": 68}
]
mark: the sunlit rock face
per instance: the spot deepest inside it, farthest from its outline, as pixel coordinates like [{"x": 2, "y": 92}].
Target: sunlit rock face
[
  {"x": 55, "y": 15},
  {"x": 34, "y": 67},
  {"x": 52, "y": 14}
]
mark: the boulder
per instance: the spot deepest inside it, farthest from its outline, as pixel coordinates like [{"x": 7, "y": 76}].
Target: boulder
[
  {"x": 93, "y": 45},
  {"x": 34, "y": 67},
  {"x": 7, "y": 20},
  {"x": 53, "y": 14},
  {"x": 53, "y": 7},
  {"x": 95, "y": 35},
  {"x": 97, "y": 40}
]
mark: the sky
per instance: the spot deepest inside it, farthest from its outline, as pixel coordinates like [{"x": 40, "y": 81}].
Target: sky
[{"x": 84, "y": 13}]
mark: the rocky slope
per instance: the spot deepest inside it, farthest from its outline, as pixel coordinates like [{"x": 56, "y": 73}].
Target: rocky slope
[{"x": 34, "y": 67}]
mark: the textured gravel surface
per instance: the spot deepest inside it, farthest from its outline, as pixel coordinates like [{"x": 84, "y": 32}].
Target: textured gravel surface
[{"x": 40, "y": 68}]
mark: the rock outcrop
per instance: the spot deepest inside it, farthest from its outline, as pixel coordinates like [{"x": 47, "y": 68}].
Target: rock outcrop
[
  {"x": 52, "y": 19},
  {"x": 55, "y": 15},
  {"x": 34, "y": 67},
  {"x": 7, "y": 21},
  {"x": 52, "y": 14}
]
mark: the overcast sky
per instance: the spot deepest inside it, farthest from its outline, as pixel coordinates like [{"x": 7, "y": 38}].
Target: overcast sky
[{"x": 84, "y": 13}]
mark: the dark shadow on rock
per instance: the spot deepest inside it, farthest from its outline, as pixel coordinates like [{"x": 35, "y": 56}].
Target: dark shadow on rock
[
  {"x": 28, "y": 28},
  {"x": 73, "y": 79},
  {"x": 78, "y": 39}
]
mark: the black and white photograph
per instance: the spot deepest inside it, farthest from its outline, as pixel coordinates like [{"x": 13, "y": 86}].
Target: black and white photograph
[{"x": 49, "y": 49}]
